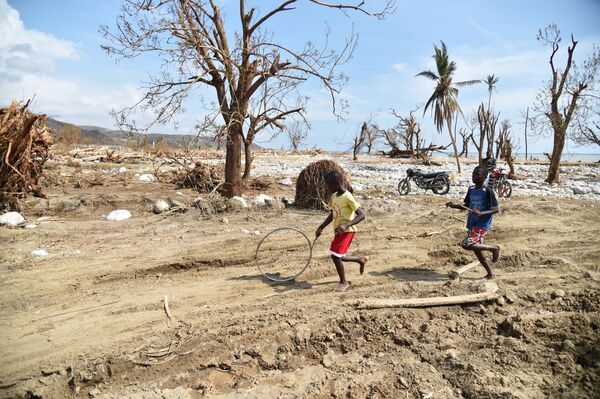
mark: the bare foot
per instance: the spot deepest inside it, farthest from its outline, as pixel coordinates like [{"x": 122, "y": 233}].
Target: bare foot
[
  {"x": 490, "y": 276},
  {"x": 362, "y": 262},
  {"x": 495, "y": 254},
  {"x": 342, "y": 287}
]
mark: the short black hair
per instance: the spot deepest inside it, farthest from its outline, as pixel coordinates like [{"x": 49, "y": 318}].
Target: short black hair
[
  {"x": 480, "y": 169},
  {"x": 334, "y": 177}
]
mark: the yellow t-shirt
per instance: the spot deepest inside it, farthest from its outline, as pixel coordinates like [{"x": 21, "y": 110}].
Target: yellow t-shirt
[{"x": 343, "y": 208}]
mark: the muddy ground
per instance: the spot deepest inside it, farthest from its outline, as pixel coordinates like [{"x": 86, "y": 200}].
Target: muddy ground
[{"x": 89, "y": 320}]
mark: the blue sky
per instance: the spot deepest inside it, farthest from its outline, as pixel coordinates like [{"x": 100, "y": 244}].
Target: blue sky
[{"x": 50, "y": 49}]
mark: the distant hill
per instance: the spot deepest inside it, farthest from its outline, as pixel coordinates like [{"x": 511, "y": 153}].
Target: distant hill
[{"x": 102, "y": 135}]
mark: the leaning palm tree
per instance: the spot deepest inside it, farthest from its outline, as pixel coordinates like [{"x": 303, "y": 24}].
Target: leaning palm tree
[
  {"x": 443, "y": 100},
  {"x": 490, "y": 81}
]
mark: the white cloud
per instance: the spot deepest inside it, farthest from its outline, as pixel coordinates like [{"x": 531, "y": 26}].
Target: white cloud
[{"x": 27, "y": 50}]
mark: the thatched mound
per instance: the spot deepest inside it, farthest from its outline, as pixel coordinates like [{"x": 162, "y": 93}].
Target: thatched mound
[
  {"x": 24, "y": 142},
  {"x": 203, "y": 178},
  {"x": 311, "y": 190}
]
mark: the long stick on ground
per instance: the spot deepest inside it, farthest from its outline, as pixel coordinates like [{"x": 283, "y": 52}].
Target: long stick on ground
[{"x": 426, "y": 302}]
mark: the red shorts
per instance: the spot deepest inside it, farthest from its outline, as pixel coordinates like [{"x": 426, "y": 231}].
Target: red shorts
[
  {"x": 341, "y": 243},
  {"x": 475, "y": 236}
]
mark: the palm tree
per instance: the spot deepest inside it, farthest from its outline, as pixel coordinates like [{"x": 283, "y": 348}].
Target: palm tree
[
  {"x": 491, "y": 81},
  {"x": 443, "y": 100}
]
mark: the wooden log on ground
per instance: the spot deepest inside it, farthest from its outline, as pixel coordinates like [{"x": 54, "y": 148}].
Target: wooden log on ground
[
  {"x": 427, "y": 302},
  {"x": 454, "y": 274}
]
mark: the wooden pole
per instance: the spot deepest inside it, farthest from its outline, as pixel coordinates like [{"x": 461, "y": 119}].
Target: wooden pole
[{"x": 427, "y": 302}]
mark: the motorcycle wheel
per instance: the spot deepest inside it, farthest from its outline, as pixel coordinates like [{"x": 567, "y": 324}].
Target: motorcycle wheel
[
  {"x": 404, "y": 186},
  {"x": 441, "y": 186},
  {"x": 505, "y": 189}
]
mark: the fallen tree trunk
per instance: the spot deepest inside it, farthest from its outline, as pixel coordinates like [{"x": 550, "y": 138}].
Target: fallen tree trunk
[{"x": 427, "y": 302}]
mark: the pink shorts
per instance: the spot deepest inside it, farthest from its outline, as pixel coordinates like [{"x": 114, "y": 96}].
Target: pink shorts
[{"x": 341, "y": 244}]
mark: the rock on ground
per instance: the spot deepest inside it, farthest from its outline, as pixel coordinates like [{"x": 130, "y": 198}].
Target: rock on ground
[
  {"x": 147, "y": 177},
  {"x": 118, "y": 215},
  {"x": 12, "y": 219}
]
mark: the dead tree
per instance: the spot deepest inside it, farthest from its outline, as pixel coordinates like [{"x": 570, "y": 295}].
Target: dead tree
[
  {"x": 467, "y": 136},
  {"x": 359, "y": 140},
  {"x": 297, "y": 134},
  {"x": 561, "y": 100},
  {"x": 193, "y": 41},
  {"x": 487, "y": 131},
  {"x": 503, "y": 135}
]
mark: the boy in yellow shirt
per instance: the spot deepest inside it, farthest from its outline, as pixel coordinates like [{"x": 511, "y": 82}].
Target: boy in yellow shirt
[{"x": 345, "y": 214}]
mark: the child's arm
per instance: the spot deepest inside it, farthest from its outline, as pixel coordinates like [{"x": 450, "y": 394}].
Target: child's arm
[
  {"x": 485, "y": 213},
  {"x": 458, "y": 206},
  {"x": 325, "y": 223},
  {"x": 360, "y": 216}
]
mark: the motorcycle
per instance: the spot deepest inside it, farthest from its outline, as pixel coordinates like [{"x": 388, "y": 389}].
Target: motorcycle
[
  {"x": 497, "y": 181},
  {"x": 438, "y": 182}
]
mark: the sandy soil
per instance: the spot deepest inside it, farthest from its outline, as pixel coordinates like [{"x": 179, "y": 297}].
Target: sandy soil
[{"x": 89, "y": 321}]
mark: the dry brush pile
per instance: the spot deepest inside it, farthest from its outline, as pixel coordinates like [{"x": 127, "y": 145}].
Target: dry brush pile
[
  {"x": 24, "y": 143},
  {"x": 311, "y": 190},
  {"x": 203, "y": 177}
]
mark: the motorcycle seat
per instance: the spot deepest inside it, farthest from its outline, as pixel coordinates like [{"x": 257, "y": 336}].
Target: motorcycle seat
[{"x": 434, "y": 174}]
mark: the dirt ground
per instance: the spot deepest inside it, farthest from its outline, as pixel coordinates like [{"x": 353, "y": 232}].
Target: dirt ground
[{"x": 89, "y": 319}]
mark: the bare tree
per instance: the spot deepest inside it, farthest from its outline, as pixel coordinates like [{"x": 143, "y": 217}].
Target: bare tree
[
  {"x": 487, "y": 131},
  {"x": 467, "y": 135},
  {"x": 255, "y": 78},
  {"x": 562, "y": 99},
  {"x": 69, "y": 135},
  {"x": 297, "y": 133},
  {"x": 588, "y": 126},
  {"x": 525, "y": 115},
  {"x": 408, "y": 131},
  {"x": 359, "y": 140}
]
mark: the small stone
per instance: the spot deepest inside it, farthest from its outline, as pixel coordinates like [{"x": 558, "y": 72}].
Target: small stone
[
  {"x": 511, "y": 297},
  {"x": 30, "y": 226},
  {"x": 581, "y": 190},
  {"x": 122, "y": 169},
  {"x": 94, "y": 392},
  {"x": 39, "y": 252},
  {"x": 238, "y": 202},
  {"x": 568, "y": 345},
  {"x": 505, "y": 381},
  {"x": 327, "y": 360},
  {"x": 256, "y": 232},
  {"x": 245, "y": 231},
  {"x": 118, "y": 215},
  {"x": 501, "y": 301},
  {"x": 285, "y": 182},
  {"x": 12, "y": 219},
  {"x": 558, "y": 294},
  {"x": 225, "y": 221},
  {"x": 260, "y": 200},
  {"x": 485, "y": 286},
  {"x": 160, "y": 206},
  {"x": 389, "y": 201},
  {"x": 147, "y": 177}
]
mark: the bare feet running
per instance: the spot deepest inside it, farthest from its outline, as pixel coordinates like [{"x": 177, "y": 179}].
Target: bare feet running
[
  {"x": 342, "y": 287},
  {"x": 362, "y": 263},
  {"x": 490, "y": 276},
  {"x": 496, "y": 254}
]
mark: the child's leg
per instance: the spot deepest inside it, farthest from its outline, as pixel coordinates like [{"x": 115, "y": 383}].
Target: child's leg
[
  {"x": 361, "y": 260},
  {"x": 482, "y": 259},
  {"x": 494, "y": 249},
  {"x": 339, "y": 267}
]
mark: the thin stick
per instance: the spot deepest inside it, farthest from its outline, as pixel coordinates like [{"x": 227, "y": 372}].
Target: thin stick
[{"x": 167, "y": 310}]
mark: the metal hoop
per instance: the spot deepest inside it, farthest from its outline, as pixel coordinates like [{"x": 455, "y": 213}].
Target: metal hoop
[{"x": 310, "y": 245}]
